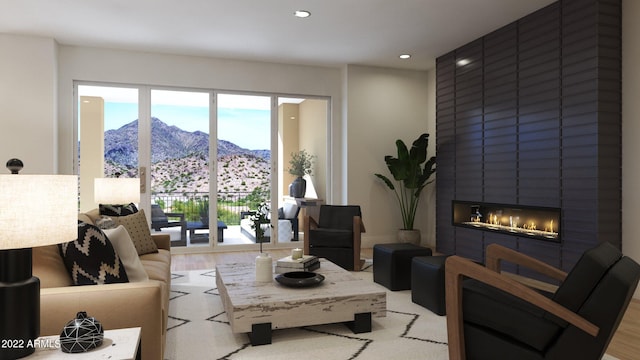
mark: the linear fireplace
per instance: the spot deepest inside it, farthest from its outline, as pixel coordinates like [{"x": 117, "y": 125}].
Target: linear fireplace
[{"x": 525, "y": 221}]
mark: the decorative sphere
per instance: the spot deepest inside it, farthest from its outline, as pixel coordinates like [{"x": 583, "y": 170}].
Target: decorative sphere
[{"x": 15, "y": 165}]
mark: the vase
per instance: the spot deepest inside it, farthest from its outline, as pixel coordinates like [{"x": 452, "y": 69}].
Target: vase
[
  {"x": 298, "y": 187},
  {"x": 409, "y": 236},
  {"x": 264, "y": 268}
]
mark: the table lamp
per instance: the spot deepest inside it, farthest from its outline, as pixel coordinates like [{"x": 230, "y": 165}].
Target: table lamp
[
  {"x": 116, "y": 191},
  {"x": 35, "y": 210}
]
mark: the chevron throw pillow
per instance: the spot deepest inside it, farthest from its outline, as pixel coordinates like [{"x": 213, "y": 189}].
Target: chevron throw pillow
[{"x": 91, "y": 259}]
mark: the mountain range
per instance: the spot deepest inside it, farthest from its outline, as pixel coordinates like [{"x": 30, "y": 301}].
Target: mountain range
[
  {"x": 180, "y": 160},
  {"x": 167, "y": 142}
]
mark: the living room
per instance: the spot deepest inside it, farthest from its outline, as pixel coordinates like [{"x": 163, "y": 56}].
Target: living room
[{"x": 368, "y": 103}]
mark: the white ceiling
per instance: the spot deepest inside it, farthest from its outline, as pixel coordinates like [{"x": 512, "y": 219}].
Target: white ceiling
[{"x": 363, "y": 32}]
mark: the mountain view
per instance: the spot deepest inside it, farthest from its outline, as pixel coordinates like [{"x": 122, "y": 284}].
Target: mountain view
[{"x": 180, "y": 160}]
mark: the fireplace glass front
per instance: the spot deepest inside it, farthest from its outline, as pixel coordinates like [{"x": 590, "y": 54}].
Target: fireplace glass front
[{"x": 527, "y": 221}]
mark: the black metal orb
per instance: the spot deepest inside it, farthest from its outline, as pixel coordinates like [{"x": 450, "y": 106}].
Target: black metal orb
[
  {"x": 14, "y": 165},
  {"x": 81, "y": 334}
]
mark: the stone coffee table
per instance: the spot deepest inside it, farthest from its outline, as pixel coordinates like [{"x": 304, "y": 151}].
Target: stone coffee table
[{"x": 257, "y": 308}]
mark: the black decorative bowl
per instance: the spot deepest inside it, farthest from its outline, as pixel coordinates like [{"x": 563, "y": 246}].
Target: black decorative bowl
[{"x": 299, "y": 279}]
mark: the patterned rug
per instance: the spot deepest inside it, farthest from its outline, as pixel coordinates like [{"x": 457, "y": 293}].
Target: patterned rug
[{"x": 198, "y": 329}]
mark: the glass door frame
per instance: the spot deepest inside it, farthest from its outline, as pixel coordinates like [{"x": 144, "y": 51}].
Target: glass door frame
[{"x": 144, "y": 152}]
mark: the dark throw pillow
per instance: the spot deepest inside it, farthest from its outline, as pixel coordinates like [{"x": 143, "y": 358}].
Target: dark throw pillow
[
  {"x": 91, "y": 259},
  {"x": 117, "y": 210}
]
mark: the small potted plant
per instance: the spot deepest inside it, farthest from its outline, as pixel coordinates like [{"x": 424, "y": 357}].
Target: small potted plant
[
  {"x": 300, "y": 164},
  {"x": 410, "y": 176},
  {"x": 259, "y": 218},
  {"x": 264, "y": 262}
]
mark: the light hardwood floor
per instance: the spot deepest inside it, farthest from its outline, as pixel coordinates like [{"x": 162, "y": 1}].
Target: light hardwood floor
[{"x": 625, "y": 344}]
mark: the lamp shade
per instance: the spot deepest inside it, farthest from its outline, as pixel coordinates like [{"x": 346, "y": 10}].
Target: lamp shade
[
  {"x": 37, "y": 210},
  {"x": 116, "y": 191}
]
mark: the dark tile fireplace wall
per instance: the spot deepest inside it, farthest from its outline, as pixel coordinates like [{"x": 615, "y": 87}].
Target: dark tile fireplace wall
[{"x": 534, "y": 118}]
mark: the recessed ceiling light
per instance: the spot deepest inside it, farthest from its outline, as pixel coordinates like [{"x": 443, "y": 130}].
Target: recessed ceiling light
[
  {"x": 301, "y": 13},
  {"x": 405, "y": 56},
  {"x": 463, "y": 62}
]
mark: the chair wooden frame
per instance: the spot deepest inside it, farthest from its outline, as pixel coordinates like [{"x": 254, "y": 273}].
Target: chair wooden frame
[
  {"x": 309, "y": 223},
  {"x": 456, "y": 268}
]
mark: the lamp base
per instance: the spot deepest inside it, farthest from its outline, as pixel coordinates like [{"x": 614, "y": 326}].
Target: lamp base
[{"x": 19, "y": 307}]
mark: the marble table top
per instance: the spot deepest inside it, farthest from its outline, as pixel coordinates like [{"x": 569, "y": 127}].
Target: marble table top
[{"x": 336, "y": 299}]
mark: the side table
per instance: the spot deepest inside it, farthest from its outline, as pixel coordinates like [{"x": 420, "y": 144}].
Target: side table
[{"x": 117, "y": 344}]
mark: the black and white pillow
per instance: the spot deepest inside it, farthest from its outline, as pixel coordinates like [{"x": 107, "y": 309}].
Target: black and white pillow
[
  {"x": 91, "y": 259},
  {"x": 117, "y": 210}
]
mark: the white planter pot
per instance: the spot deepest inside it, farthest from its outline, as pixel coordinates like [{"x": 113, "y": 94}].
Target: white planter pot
[{"x": 409, "y": 236}]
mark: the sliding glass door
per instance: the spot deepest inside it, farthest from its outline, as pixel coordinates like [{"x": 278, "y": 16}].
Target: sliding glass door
[
  {"x": 207, "y": 160},
  {"x": 244, "y": 170},
  {"x": 179, "y": 175}
]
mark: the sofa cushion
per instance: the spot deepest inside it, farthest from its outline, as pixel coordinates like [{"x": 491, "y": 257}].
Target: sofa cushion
[
  {"x": 91, "y": 258},
  {"x": 289, "y": 211},
  {"x": 85, "y": 218},
  {"x": 127, "y": 251},
  {"x": 138, "y": 229},
  {"x": 117, "y": 210},
  {"x": 49, "y": 267}
]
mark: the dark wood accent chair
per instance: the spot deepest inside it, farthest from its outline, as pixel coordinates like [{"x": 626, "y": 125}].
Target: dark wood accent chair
[
  {"x": 336, "y": 235},
  {"x": 160, "y": 220},
  {"x": 491, "y": 315}
]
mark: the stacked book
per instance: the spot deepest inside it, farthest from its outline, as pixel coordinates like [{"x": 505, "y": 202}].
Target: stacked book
[{"x": 306, "y": 263}]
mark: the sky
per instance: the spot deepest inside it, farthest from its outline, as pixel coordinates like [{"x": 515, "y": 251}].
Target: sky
[{"x": 242, "y": 119}]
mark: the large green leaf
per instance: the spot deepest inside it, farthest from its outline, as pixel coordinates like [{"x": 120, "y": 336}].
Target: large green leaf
[
  {"x": 407, "y": 170},
  {"x": 386, "y": 181},
  {"x": 419, "y": 149}
]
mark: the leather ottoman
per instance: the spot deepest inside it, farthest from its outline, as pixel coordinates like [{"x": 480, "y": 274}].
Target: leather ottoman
[
  {"x": 392, "y": 264},
  {"x": 427, "y": 282}
]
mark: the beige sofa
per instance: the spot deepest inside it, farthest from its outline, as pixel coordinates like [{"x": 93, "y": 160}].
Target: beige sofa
[{"x": 134, "y": 304}]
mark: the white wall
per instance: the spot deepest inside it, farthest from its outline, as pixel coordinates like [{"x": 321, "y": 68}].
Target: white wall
[
  {"x": 93, "y": 64},
  {"x": 630, "y": 130},
  {"x": 28, "y": 103},
  {"x": 385, "y": 105},
  {"x": 379, "y": 101}
]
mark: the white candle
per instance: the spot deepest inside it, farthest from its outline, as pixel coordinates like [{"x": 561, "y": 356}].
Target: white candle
[{"x": 296, "y": 254}]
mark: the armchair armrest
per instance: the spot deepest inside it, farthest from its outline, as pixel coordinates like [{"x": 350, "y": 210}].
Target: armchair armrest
[
  {"x": 176, "y": 215},
  {"x": 497, "y": 253},
  {"x": 457, "y": 267},
  {"x": 308, "y": 223},
  {"x": 358, "y": 229}
]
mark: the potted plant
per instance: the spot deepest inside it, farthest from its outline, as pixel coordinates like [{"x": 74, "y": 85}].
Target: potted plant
[
  {"x": 410, "y": 176},
  {"x": 300, "y": 164}
]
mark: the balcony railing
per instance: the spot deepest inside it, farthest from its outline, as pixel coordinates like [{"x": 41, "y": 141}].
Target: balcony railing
[{"x": 195, "y": 205}]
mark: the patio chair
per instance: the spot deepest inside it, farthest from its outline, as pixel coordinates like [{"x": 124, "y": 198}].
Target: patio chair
[
  {"x": 290, "y": 211},
  {"x": 161, "y": 220}
]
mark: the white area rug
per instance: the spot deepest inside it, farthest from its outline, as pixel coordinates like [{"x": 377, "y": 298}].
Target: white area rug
[{"x": 198, "y": 329}]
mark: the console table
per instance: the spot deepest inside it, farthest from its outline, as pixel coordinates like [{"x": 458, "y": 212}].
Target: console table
[{"x": 117, "y": 344}]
